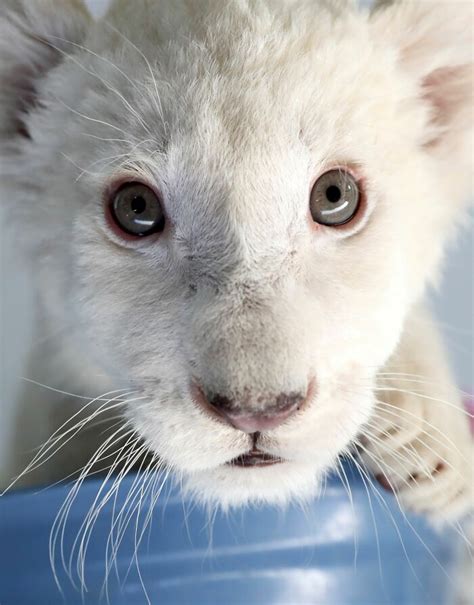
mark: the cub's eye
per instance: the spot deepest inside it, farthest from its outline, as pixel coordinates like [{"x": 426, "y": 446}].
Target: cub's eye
[
  {"x": 335, "y": 198},
  {"x": 137, "y": 210}
]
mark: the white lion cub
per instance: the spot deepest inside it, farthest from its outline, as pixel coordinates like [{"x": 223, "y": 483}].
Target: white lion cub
[{"x": 234, "y": 209}]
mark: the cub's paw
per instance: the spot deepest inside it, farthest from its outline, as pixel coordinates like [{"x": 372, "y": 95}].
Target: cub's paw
[{"x": 420, "y": 448}]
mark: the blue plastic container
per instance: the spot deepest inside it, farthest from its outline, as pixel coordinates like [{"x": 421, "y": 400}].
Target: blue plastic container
[{"x": 333, "y": 553}]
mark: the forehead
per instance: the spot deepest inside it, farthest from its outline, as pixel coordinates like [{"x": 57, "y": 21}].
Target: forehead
[
  {"x": 237, "y": 76},
  {"x": 239, "y": 101},
  {"x": 285, "y": 57}
]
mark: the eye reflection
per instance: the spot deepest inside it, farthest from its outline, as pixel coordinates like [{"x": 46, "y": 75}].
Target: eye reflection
[
  {"x": 334, "y": 198},
  {"x": 137, "y": 210}
]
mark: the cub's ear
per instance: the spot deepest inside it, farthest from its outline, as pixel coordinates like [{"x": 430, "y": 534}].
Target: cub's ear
[
  {"x": 34, "y": 35},
  {"x": 433, "y": 40}
]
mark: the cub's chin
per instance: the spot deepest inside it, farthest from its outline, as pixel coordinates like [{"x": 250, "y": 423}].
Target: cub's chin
[
  {"x": 236, "y": 485},
  {"x": 216, "y": 464}
]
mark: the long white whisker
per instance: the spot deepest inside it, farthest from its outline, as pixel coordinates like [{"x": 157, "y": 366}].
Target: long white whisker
[
  {"x": 95, "y": 120},
  {"x": 449, "y": 404},
  {"x": 49, "y": 388},
  {"x": 427, "y": 549},
  {"x": 413, "y": 455},
  {"x": 58, "y": 529},
  {"x": 97, "y": 507},
  {"x": 107, "y": 84},
  {"x": 71, "y": 433},
  {"x": 87, "y": 523},
  {"x": 393, "y": 410},
  {"x": 365, "y": 477},
  {"x": 101, "y": 58},
  {"x": 53, "y": 440},
  {"x": 156, "y": 98},
  {"x": 347, "y": 487}
]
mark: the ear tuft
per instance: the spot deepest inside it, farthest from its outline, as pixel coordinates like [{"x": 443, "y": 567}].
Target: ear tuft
[
  {"x": 434, "y": 43},
  {"x": 33, "y": 35}
]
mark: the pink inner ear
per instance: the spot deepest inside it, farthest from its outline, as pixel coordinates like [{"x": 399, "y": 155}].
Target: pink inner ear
[{"x": 447, "y": 90}]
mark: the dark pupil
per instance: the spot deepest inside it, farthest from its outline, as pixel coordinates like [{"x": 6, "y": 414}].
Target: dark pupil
[
  {"x": 138, "y": 204},
  {"x": 333, "y": 194}
]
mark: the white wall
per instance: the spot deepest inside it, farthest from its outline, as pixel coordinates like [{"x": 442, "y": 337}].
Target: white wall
[
  {"x": 98, "y": 7},
  {"x": 454, "y": 306}
]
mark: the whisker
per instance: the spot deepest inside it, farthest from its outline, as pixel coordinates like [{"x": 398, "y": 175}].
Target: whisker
[
  {"x": 59, "y": 525},
  {"x": 50, "y": 388},
  {"x": 422, "y": 542},
  {"x": 427, "y": 397},
  {"x": 107, "y": 84},
  {"x": 389, "y": 409},
  {"x": 381, "y": 463},
  {"x": 365, "y": 477},
  {"x": 156, "y": 98},
  {"x": 347, "y": 487},
  {"x": 87, "y": 523},
  {"x": 101, "y": 58},
  {"x": 153, "y": 499},
  {"x": 410, "y": 454},
  {"x": 108, "y": 161},
  {"x": 420, "y": 380},
  {"x": 55, "y": 438},
  {"x": 415, "y": 457},
  {"x": 97, "y": 507},
  {"x": 94, "y": 120},
  {"x": 72, "y": 432},
  {"x": 374, "y": 523}
]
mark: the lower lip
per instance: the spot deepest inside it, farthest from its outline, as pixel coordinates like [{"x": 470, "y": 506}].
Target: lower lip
[{"x": 254, "y": 460}]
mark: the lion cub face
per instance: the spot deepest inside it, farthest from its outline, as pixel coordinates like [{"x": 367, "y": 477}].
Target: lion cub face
[{"x": 240, "y": 210}]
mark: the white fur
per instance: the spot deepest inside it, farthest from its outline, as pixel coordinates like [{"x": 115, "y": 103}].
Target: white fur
[{"x": 232, "y": 109}]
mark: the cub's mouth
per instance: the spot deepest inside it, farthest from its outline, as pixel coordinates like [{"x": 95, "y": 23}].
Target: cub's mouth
[{"x": 255, "y": 458}]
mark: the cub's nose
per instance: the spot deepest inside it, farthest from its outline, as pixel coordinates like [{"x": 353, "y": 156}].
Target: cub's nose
[
  {"x": 269, "y": 417},
  {"x": 267, "y": 413}
]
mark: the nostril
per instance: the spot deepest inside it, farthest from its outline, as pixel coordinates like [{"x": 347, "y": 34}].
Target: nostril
[
  {"x": 252, "y": 414},
  {"x": 283, "y": 404},
  {"x": 289, "y": 401},
  {"x": 222, "y": 403}
]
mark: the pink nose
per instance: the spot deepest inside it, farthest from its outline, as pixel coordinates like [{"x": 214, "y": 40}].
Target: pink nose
[
  {"x": 244, "y": 419},
  {"x": 256, "y": 423}
]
